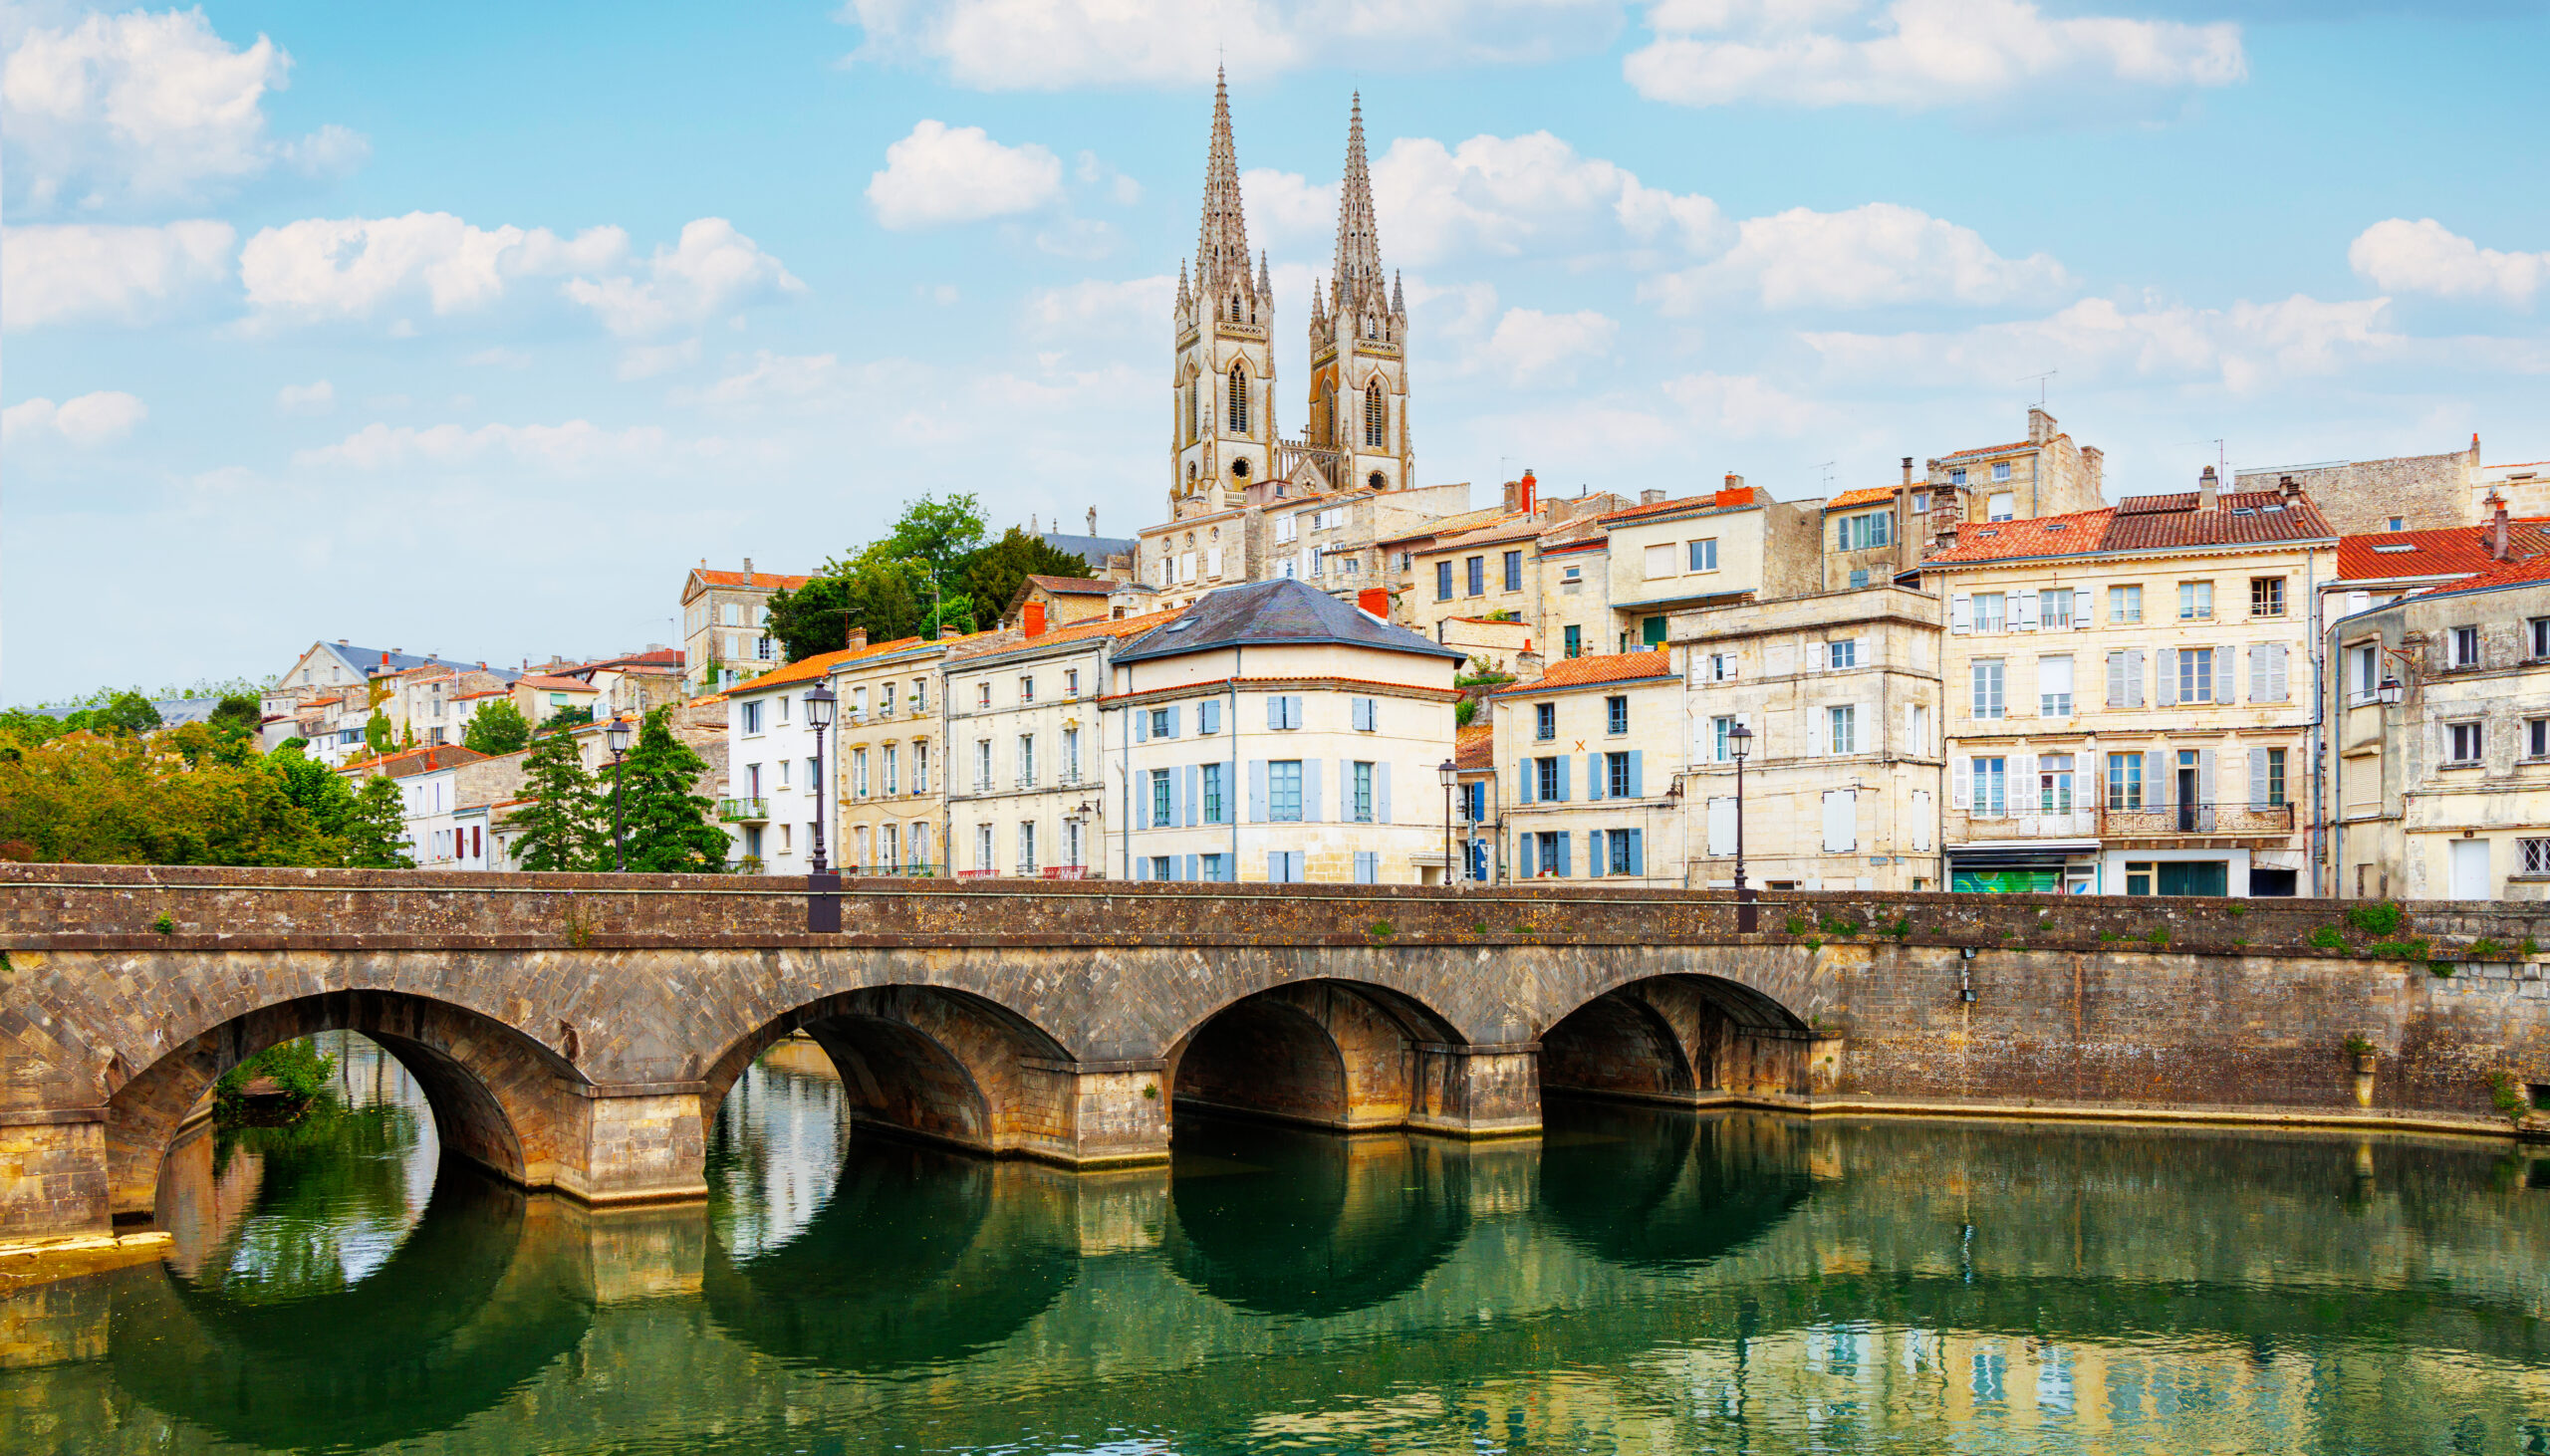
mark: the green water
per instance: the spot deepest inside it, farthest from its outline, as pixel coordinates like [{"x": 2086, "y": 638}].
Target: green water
[{"x": 1639, "y": 1280}]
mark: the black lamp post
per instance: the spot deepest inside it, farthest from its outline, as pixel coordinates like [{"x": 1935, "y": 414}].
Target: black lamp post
[
  {"x": 1739, "y": 741},
  {"x": 1451, "y": 773},
  {"x": 616, "y": 737},
  {"x": 823, "y": 902}
]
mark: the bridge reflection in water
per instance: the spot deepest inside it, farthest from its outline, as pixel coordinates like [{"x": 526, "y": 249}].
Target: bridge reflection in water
[{"x": 1638, "y": 1278}]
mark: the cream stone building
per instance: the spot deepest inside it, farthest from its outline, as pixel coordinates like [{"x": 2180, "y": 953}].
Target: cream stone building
[
  {"x": 722, "y": 613},
  {"x": 1025, "y": 796},
  {"x": 769, "y": 805},
  {"x": 1274, "y": 733},
  {"x": 2411, "y": 492},
  {"x": 1588, "y": 762},
  {"x": 1872, "y": 536},
  {"x": 1737, "y": 545},
  {"x": 2128, "y": 695},
  {"x": 2444, "y": 793},
  {"x": 1842, "y": 694},
  {"x": 1573, "y": 567},
  {"x": 2045, "y": 474},
  {"x": 889, "y": 773}
]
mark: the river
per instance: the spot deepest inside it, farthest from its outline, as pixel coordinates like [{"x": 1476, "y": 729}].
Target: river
[{"x": 1639, "y": 1280}]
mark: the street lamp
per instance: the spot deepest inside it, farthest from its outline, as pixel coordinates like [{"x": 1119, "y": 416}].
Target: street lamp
[
  {"x": 823, "y": 902},
  {"x": 1739, "y": 740},
  {"x": 2389, "y": 692},
  {"x": 1451, "y": 773},
  {"x": 616, "y": 737}
]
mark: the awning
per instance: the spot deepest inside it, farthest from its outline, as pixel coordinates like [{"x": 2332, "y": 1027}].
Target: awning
[{"x": 2022, "y": 855}]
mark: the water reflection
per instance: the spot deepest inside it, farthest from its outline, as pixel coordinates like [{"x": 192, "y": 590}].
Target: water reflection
[{"x": 1661, "y": 1188}]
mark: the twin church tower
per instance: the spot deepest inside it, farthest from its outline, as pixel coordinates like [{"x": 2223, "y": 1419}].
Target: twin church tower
[{"x": 1227, "y": 450}]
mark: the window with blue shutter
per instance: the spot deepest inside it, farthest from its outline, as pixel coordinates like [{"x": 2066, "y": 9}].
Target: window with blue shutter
[
  {"x": 1173, "y": 729},
  {"x": 1208, "y": 716},
  {"x": 1594, "y": 780},
  {"x": 1523, "y": 781},
  {"x": 1257, "y": 790},
  {"x": 1142, "y": 726},
  {"x": 1638, "y": 772},
  {"x": 1382, "y": 793},
  {"x": 1638, "y": 852},
  {"x": 1311, "y": 807},
  {"x": 1368, "y": 867},
  {"x": 1562, "y": 841},
  {"x": 1563, "y": 762}
]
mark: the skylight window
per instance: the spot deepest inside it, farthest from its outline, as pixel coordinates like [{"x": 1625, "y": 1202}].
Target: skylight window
[{"x": 2394, "y": 549}]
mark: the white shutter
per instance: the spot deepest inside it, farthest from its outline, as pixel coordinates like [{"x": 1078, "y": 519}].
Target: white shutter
[
  {"x": 1721, "y": 826},
  {"x": 1817, "y": 722},
  {"x": 2023, "y": 797},
  {"x": 2134, "y": 677},
  {"x": 2023, "y": 611},
  {"x": 1925, "y": 817},
  {"x": 2223, "y": 685},
  {"x": 2257, "y": 777},
  {"x": 1962, "y": 782},
  {"x": 1840, "y": 822},
  {"x": 1961, "y": 615},
  {"x": 2167, "y": 685},
  {"x": 2358, "y": 601},
  {"x": 2206, "y": 790},
  {"x": 1814, "y": 657}
]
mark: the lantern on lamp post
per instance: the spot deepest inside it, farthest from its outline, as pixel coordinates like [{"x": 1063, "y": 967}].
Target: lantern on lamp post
[
  {"x": 1739, "y": 741},
  {"x": 823, "y": 901}
]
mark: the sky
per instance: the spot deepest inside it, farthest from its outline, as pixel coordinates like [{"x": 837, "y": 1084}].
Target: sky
[{"x": 470, "y": 329}]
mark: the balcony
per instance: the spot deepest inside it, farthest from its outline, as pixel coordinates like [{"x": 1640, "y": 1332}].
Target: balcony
[
  {"x": 744, "y": 810},
  {"x": 2196, "y": 819}
]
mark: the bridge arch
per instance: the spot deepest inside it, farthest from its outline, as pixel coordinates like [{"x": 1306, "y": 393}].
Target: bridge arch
[
  {"x": 933, "y": 1062},
  {"x": 1325, "y": 1053},
  {"x": 499, "y": 1098},
  {"x": 1679, "y": 1036}
]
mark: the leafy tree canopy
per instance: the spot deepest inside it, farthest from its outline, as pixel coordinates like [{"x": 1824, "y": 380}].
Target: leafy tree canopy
[
  {"x": 566, "y": 718},
  {"x": 937, "y": 566},
  {"x": 562, "y": 829},
  {"x": 497, "y": 727},
  {"x": 994, "y": 574},
  {"x": 666, "y": 828}
]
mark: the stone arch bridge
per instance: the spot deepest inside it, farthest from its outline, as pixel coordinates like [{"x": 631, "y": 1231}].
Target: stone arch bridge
[{"x": 578, "y": 1032}]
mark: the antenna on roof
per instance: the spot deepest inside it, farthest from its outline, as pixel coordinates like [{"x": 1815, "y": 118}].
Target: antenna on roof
[
  {"x": 1827, "y": 468},
  {"x": 2040, "y": 383}
]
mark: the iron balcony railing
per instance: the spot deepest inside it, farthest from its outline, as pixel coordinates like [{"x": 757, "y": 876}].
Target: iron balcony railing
[
  {"x": 743, "y": 810},
  {"x": 2163, "y": 819}
]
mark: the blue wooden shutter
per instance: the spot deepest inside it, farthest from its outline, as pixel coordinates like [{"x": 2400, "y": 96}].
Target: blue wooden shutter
[
  {"x": 1564, "y": 789},
  {"x": 1173, "y": 715},
  {"x": 1638, "y": 773},
  {"x": 1190, "y": 868},
  {"x": 1208, "y": 716},
  {"x": 1174, "y": 817},
  {"x": 1594, "y": 784},
  {"x": 1141, "y": 725},
  {"x": 1523, "y": 781},
  {"x": 1594, "y": 853},
  {"x": 1564, "y": 842},
  {"x": 1382, "y": 793},
  {"x": 1638, "y": 846},
  {"x": 1531, "y": 854},
  {"x": 1194, "y": 795},
  {"x": 1274, "y": 711},
  {"x": 1310, "y": 790},
  {"x": 1257, "y": 790}
]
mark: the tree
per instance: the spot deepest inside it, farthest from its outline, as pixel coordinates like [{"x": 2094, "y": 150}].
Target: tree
[
  {"x": 566, "y": 718},
  {"x": 376, "y": 836},
  {"x": 887, "y": 598},
  {"x": 314, "y": 788},
  {"x": 496, "y": 728},
  {"x": 112, "y": 799},
  {"x": 667, "y": 829},
  {"x": 994, "y": 574},
  {"x": 236, "y": 717},
  {"x": 127, "y": 712},
  {"x": 562, "y": 827},
  {"x": 376, "y": 733},
  {"x": 941, "y": 533}
]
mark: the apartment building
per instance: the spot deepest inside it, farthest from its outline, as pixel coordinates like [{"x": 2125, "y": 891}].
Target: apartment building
[
  {"x": 2438, "y": 706},
  {"x": 1491, "y": 570},
  {"x": 2129, "y": 707},
  {"x": 2045, "y": 474},
  {"x": 722, "y": 613},
  {"x": 1872, "y": 536},
  {"x": 1572, "y": 564},
  {"x": 1274, "y": 733},
  {"x": 1181, "y": 560},
  {"x": 1841, "y": 692},
  {"x": 1068, "y": 600},
  {"x": 428, "y": 794},
  {"x": 1025, "y": 796},
  {"x": 539, "y": 697},
  {"x": 1735, "y": 545},
  {"x": 2379, "y": 568},
  {"x": 1589, "y": 759},
  {"x": 2411, "y": 492},
  {"x": 889, "y": 777},
  {"x": 771, "y": 752},
  {"x": 1476, "y": 805}
]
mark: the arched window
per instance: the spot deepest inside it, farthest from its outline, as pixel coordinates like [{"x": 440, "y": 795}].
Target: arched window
[
  {"x": 1195, "y": 421},
  {"x": 1190, "y": 476},
  {"x": 1239, "y": 401},
  {"x": 1375, "y": 417}
]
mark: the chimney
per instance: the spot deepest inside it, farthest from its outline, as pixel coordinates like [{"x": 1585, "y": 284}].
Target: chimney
[
  {"x": 856, "y": 638},
  {"x": 1531, "y": 489},
  {"x": 2040, "y": 426},
  {"x": 1513, "y": 496},
  {"x": 2095, "y": 461},
  {"x": 947, "y": 632},
  {"x": 1649, "y": 497},
  {"x": 1907, "y": 470},
  {"x": 1034, "y": 626},
  {"x": 2500, "y": 534},
  {"x": 2207, "y": 489},
  {"x": 1734, "y": 492},
  {"x": 2287, "y": 487},
  {"x": 1376, "y": 600},
  {"x": 1734, "y": 481}
]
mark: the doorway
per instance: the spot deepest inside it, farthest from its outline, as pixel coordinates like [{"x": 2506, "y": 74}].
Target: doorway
[{"x": 2470, "y": 869}]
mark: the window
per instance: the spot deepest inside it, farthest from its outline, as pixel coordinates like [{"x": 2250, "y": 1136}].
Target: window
[
  {"x": 1071, "y": 759},
  {"x": 1721, "y": 667},
  {"x": 1286, "y": 527},
  {"x": 1992, "y": 610},
  {"x": 1442, "y": 580},
  {"x": 2195, "y": 601},
  {"x": 982, "y": 766},
  {"x": 1958, "y": 476},
  {"x": 1616, "y": 776},
  {"x": 1989, "y": 678},
  {"x": 920, "y": 768},
  {"x": 1574, "y": 638},
  {"x": 1571, "y": 574},
  {"x": 1238, "y": 392},
  {"x": 2540, "y": 632},
  {"x": 2465, "y": 646},
  {"x": 2366, "y": 662},
  {"x": 1920, "y": 502},
  {"x": 1284, "y": 791},
  {"x": 1212, "y": 795},
  {"x": 2125, "y": 781},
  {"x": 1375, "y": 417},
  {"x": 1474, "y": 574},
  {"x": 2137, "y": 877},
  {"x": 1283, "y": 712},
  {"x": 1364, "y": 714},
  {"x": 2462, "y": 742},
  {"x": 2273, "y": 776},
  {"x": 2000, "y": 470},
  {"x": 1860, "y": 533},
  {"x": 2054, "y": 608},
  {"x": 1544, "y": 721},
  {"x": 893, "y": 770},
  {"x": 2054, "y": 688},
  {"x": 858, "y": 773},
  {"x": 1617, "y": 859},
  {"x": 1859, "y": 579},
  {"x": 2003, "y": 505},
  {"x": 1160, "y": 723},
  {"x": 1991, "y": 787},
  {"x": 1362, "y": 785},
  {"x": 2532, "y": 858},
  {"x": 752, "y": 718},
  {"x": 1162, "y": 866},
  {"x": 2124, "y": 605},
  {"x": 2536, "y": 738},
  {"x": 2266, "y": 596},
  {"x": 1840, "y": 654},
  {"x": 1702, "y": 554},
  {"x": 1026, "y": 760},
  {"x": 1616, "y": 714},
  {"x": 1212, "y": 867},
  {"x": 2054, "y": 783},
  {"x": 2398, "y": 523},
  {"x": 1160, "y": 790},
  {"x": 1722, "y": 744},
  {"x": 1842, "y": 729},
  {"x": 885, "y": 701},
  {"x": 1027, "y": 690},
  {"x": 983, "y": 693},
  {"x": 2196, "y": 674},
  {"x": 1545, "y": 780}
]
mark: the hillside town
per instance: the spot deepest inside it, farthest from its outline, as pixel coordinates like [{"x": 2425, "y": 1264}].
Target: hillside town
[{"x": 1998, "y": 671}]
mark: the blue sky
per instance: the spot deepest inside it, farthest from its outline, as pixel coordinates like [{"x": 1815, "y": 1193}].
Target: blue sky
[{"x": 467, "y": 328}]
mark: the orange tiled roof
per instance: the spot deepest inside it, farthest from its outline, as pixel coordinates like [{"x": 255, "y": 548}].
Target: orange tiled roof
[
  {"x": 1985, "y": 450},
  {"x": 1075, "y": 586},
  {"x": 1680, "y": 503},
  {"x": 987, "y": 644},
  {"x": 2260, "y": 517},
  {"x": 408, "y": 761},
  {"x": 543, "y": 682},
  {"x": 2437, "y": 553},
  {"x": 2077, "y": 534},
  {"x": 1474, "y": 747},
  {"x": 766, "y": 581},
  {"x": 1868, "y": 496},
  {"x": 820, "y": 665},
  {"x": 1606, "y": 667},
  {"x": 2510, "y": 574}
]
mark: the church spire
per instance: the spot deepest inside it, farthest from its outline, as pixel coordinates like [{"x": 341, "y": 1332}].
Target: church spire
[
  {"x": 1221, "y": 246},
  {"x": 1359, "y": 237}
]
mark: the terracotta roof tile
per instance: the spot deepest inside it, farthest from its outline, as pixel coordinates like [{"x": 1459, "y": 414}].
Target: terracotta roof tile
[
  {"x": 820, "y": 665},
  {"x": 2511, "y": 574},
  {"x": 1442, "y": 526},
  {"x": 2438, "y": 552},
  {"x": 2262, "y": 517},
  {"x": 2077, "y": 534},
  {"x": 1589, "y": 671},
  {"x": 1869, "y": 496},
  {"x": 541, "y": 682},
  {"x": 1474, "y": 747},
  {"x": 765, "y": 581},
  {"x": 993, "y": 645},
  {"x": 1985, "y": 450}
]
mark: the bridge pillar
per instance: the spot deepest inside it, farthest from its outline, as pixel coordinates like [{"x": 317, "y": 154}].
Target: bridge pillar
[
  {"x": 1477, "y": 1092},
  {"x": 1120, "y": 1113},
  {"x": 638, "y": 1143},
  {"x": 53, "y": 1174}
]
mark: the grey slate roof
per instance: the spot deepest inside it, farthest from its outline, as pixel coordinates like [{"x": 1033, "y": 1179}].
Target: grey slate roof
[
  {"x": 1094, "y": 549},
  {"x": 366, "y": 662},
  {"x": 1285, "y": 611}
]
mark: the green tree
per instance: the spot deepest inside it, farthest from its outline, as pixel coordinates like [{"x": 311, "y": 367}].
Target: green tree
[
  {"x": 236, "y": 717},
  {"x": 496, "y": 728},
  {"x": 127, "y": 712},
  {"x": 994, "y": 574},
  {"x": 939, "y": 534},
  {"x": 314, "y": 788},
  {"x": 561, "y": 826},
  {"x": 564, "y": 719},
  {"x": 376, "y": 836},
  {"x": 887, "y": 598},
  {"x": 666, "y": 828},
  {"x": 376, "y": 732},
  {"x": 112, "y": 799}
]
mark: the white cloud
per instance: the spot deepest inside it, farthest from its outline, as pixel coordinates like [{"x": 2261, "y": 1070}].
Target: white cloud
[
  {"x": 146, "y": 109},
  {"x": 777, "y": 379},
  {"x": 575, "y": 447},
  {"x": 645, "y": 360},
  {"x": 350, "y": 269},
  {"x": 85, "y": 273},
  {"x": 1742, "y": 406},
  {"x": 1286, "y": 206},
  {"x": 89, "y": 419},
  {"x": 2097, "y": 340},
  {"x": 1870, "y": 256},
  {"x": 1917, "y": 55},
  {"x": 714, "y": 271},
  {"x": 1097, "y": 305},
  {"x": 1519, "y": 195},
  {"x": 941, "y": 174},
  {"x": 1005, "y": 45},
  {"x": 313, "y": 399},
  {"x": 1533, "y": 347},
  {"x": 499, "y": 358},
  {"x": 2426, "y": 257}
]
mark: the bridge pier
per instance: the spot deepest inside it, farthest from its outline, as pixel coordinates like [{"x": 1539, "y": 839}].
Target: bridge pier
[
  {"x": 53, "y": 1173},
  {"x": 1477, "y": 1092}
]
